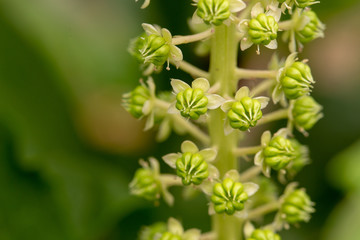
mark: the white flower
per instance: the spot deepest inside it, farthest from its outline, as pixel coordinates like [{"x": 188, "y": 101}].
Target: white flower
[
  {"x": 240, "y": 94},
  {"x": 175, "y": 53},
  {"x": 145, "y": 4},
  {"x": 195, "y": 100}
]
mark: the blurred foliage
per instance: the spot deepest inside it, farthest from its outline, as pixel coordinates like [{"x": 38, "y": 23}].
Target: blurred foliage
[{"x": 69, "y": 150}]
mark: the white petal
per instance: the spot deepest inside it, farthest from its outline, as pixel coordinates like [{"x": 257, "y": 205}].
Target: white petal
[
  {"x": 275, "y": 12},
  {"x": 150, "y": 29},
  {"x": 189, "y": 146},
  {"x": 175, "y": 54},
  {"x": 151, "y": 85},
  {"x": 241, "y": 215},
  {"x": 191, "y": 234},
  {"x": 209, "y": 154},
  {"x": 166, "y": 35},
  {"x": 250, "y": 188},
  {"x": 265, "y": 138},
  {"x": 232, "y": 174},
  {"x": 170, "y": 159},
  {"x": 258, "y": 159},
  {"x": 174, "y": 226},
  {"x": 290, "y": 60},
  {"x": 256, "y": 10},
  {"x": 292, "y": 42},
  {"x": 263, "y": 101},
  {"x": 164, "y": 130},
  {"x": 145, "y": 4},
  {"x": 206, "y": 187},
  {"x": 245, "y": 43},
  {"x": 242, "y": 92},
  {"x": 277, "y": 93},
  {"x": 147, "y": 107},
  {"x": 248, "y": 229},
  {"x": 300, "y": 25},
  {"x": 154, "y": 164},
  {"x": 211, "y": 210},
  {"x": 201, "y": 83},
  {"x": 178, "y": 85},
  {"x": 149, "y": 121},
  {"x": 236, "y": 6},
  {"x": 282, "y": 132},
  {"x": 196, "y": 19},
  {"x": 214, "y": 173},
  {"x": 214, "y": 101},
  {"x": 266, "y": 170},
  {"x": 227, "y": 128},
  {"x": 226, "y": 106},
  {"x": 272, "y": 44},
  {"x": 172, "y": 109}
]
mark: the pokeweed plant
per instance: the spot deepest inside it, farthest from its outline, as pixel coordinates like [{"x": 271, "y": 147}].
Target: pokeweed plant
[{"x": 217, "y": 115}]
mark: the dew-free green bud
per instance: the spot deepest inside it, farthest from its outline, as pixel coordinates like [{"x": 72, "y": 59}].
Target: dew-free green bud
[
  {"x": 297, "y": 207},
  {"x": 244, "y": 113},
  {"x": 228, "y": 196},
  {"x": 314, "y": 29},
  {"x": 263, "y": 29},
  {"x": 279, "y": 153},
  {"x": 155, "y": 50},
  {"x": 213, "y": 11},
  {"x": 304, "y": 3},
  {"x": 145, "y": 184},
  {"x": 136, "y": 101},
  {"x": 306, "y": 112},
  {"x": 259, "y": 234},
  {"x": 169, "y": 236},
  {"x": 191, "y": 103},
  {"x": 136, "y": 45},
  {"x": 296, "y": 80},
  {"x": 192, "y": 168}
]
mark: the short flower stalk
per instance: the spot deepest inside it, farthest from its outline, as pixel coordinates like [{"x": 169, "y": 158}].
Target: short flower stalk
[{"x": 219, "y": 115}]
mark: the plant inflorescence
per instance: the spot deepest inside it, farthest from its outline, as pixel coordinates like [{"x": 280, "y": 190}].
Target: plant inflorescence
[{"x": 218, "y": 115}]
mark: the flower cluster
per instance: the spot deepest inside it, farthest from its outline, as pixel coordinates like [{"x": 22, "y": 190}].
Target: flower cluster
[{"x": 219, "y": 111}]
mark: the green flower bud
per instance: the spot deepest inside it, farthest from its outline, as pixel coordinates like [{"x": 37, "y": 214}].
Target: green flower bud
[
  {"x": 263, "y": 29},
  {"x": 136, "y": 45},
  {"x": 306, "y": 112},
  {"x": 192, "y": 168},
  {"x": 301, "y": 160},
  {"x": 155, "y": 50},
  {"x": 312, "y": 30},
  {"x": 169, "y": 236},
  {"x": 304, "y": 3},
  {"x": 259, "y": 234},
  {"x": 152, "y": 232},
  {"x": 297, "y": 207},
  {"x": 228, "y": 196},
  {"x": 145, "y": 184},
  {"x": 279, "y": 153},
  {"x": 213, "y": 11},
  {"x": 244, "y": 113},
  {"x": 136, "y": 99},
  {"x": 191, "y": 103},
  {"x": 296, "y": 80}
]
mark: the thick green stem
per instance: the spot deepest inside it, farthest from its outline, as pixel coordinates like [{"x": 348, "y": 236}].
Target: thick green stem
[{"x": 222, "y": 70}]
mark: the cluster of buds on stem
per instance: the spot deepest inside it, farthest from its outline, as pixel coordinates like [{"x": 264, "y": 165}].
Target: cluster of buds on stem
[{"x": 217, "y": 114}]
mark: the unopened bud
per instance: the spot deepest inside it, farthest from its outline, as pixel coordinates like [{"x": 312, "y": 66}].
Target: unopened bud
[
  {"x": 244, "y": 113},
  {"x": 145, "y": 184},
  {"x": 260, "y": 234},
  {"x": 296, "y": 80},
  {"x": 192, "y": 168},
  {"x": 191, "y": 103},
  {"x": 213, "y": 11},
  {"x": 306, "y": 112},
  {"x": 263, "y": 29},
  {"x": 135, "y": 101},
  {"x": 155, "y": 50},
  {"x": 314, "y": 29},
  {"x": 279, "y": 153},
  {"x": 297, "y": 207}
]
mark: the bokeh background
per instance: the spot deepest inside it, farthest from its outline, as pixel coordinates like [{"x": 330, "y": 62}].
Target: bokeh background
[{"x": 68, "y": 149}]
